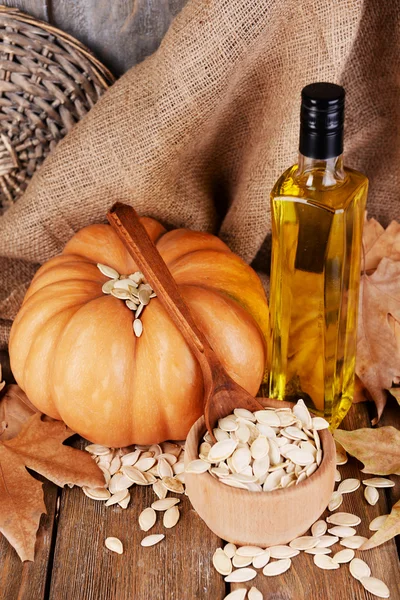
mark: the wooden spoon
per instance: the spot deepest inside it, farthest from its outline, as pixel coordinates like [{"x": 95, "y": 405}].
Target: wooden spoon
[{"x": 221, "y": 394}]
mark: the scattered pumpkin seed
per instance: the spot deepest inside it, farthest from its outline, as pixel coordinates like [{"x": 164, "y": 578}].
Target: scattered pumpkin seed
[
  {"x": 375, "y": 586},
  {"x": 343, "y": 556},
  {"x": 379, "y": 482},
  {"x": 241, "y": 575},
  {"x": 277, "y": 567},
  {"x": 377, "y": 522},
  {"x": 151, "y": 540},
  {"x": 114, "y": 544},
  {"x": 359, "y": 568}
]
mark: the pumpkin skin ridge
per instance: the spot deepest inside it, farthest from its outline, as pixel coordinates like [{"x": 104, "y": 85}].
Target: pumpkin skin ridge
[{"x": 57, "y": 281}]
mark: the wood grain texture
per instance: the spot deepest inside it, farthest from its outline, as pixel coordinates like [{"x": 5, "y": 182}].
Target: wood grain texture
[
  {"x": 177, "y": 568},
  {"x": 120, "y": 33},
  {"x": 36, "y": 8},
  {"x": 306, "y": 581},
  {"x": 28, "y": 580}
]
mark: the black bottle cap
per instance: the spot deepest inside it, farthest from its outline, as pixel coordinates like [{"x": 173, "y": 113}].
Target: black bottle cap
[{"x": 321, "y": 120}]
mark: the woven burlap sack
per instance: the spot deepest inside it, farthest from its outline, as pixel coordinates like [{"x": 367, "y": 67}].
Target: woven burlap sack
[{"x": 197, "y": 134}]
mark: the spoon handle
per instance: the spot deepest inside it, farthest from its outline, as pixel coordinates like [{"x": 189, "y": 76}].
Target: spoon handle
[{"x": 126, "y": 223}]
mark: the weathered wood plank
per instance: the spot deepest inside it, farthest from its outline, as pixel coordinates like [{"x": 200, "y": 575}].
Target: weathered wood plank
[
  {"x": 120, "y": 33},
  {"x": 305, "y": 580},
  {"x": 27, "y": 581},
  {"x": 179, "y": 567}
]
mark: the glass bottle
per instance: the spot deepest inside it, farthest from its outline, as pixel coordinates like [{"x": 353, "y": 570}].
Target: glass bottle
[{"x": 317, "y": 209}]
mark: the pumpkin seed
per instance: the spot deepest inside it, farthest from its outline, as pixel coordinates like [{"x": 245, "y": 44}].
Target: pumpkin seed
[
  {"x": 171, "y": 517},
  {"x": 348, "y": 485},
  {"x": 133, "y": 474},
  {"x": 138, "y": 327},
  {"x": 144, "y": 464},
  {"x": 241, "y": 561},
  {"x": 343, "y": 556},
  {"x": 343, "y": 518},
  {"x": 97, "y": 449},
  {"x": 249, "y": 551},
  {"x": 160, "y": 490},
  {"x": 151, "y": 540},
  {"x": 139, "y": 311},
  {"x": 323, "y": 561},
  {"x": 377, "y": 522},
  {"x": 301, "y": 412},
  {"x": 147, "y": 519},
  {"x": 319, "y": 528},
  {"x": 283, "y": 552},
  {"x": 319, "y": 423},
  {"x": 326, "y": 541},
  {"x": 125, "y": 501},
  {"x": 108, "y": 271},
  {"x": 221, "y": 562},
  {"x": 197, "y": 466},
  {"x": 241, "y": 459},
  {"x": 131, "y": 458},
  {"x": 261, "y": 560},
  {"x": 318, "y": 550},
  {"x": 277, "y": 567},
  {"x": 136, "y": 277},
  {"x": 254, "y": 594},
  {"x": 304, "y": 542},
  {"x": 173, "y": 485},
  {"x": 375, "y": 586},
  {"x": 338, "y": 476},
  {"x": 259, "y": 448},
  {"x": 165, "y": 503},
  {"x": 354, "y": 542},
  {"x": 96, "y": 493},
  {"x": 222, "y": 450},
  {"x": 117, "y": 497},
  {"x": 230, "y": 550},
  {"x": 114, "y": 544},
  {"x": 335, "y": 501},
  {"x": 371, "y": 495},
  {"x": 241, "y": 575},
  {"x": 108, "y": 286},
  {"x": 359, "y": 568},
  {"x": 342, "y": 531},
  {"x": 301, "y": 457},
  {"x": 379, "y": 482}
]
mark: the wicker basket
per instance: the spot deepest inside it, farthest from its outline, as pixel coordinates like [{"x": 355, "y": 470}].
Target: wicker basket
[{"x": 48, "y": 82}]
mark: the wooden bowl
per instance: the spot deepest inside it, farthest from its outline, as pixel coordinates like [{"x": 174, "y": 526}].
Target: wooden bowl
[{"x": 260, "y": 518}]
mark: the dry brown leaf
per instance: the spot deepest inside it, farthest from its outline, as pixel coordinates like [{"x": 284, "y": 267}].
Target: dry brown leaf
[
  {"x": 39, "y": 447},
  {"x": 378, "y": 351},
  {"x": 378, "y": 449},
  {"x": 379, "y": 243},
  {"x": 389, "y": 529},
  {"x": 15, "y": 410}
]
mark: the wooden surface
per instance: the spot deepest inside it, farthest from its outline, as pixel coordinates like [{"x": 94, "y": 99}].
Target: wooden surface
[
  {"x": 120, "y": 32},
  {"x": 73, "y": 563}
]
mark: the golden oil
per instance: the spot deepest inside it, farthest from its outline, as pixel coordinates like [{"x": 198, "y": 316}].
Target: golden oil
[{"x": 317, "y": 209}]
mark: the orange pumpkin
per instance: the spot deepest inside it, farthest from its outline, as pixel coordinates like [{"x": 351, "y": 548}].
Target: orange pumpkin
[{"x": 74, "y": 353}]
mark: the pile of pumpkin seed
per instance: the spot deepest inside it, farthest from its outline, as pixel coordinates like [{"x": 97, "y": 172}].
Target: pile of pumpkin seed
[
  {"x": 131, "y": 288},
  {"x": 159, "y": 465},
  {"x": 266, "y": 450},
  {"x": 240, "y": 564}
]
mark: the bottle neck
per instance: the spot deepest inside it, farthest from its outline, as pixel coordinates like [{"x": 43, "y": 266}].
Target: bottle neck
[{"x": 320, "y": 173}]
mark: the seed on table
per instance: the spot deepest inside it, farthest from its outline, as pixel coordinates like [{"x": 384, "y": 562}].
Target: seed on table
[
  {"x": 338, "y": 476},
  {"x": 379, "y": 482},
  {"x": 348, "y": 485},
  {"x": 318, "y": 550},
  {"x": 239, "y": 594},
  {"x": 359, "y": 568},
  {"x": 377, "y": 522},
  {"x": 342, "y": 531},
  {"x": 341, "y": 454},
  {"x": 343, "y": 556},
  {"x": 305, "y": 542},
  {"x": 354, "y": 542},
  {"x": 255, "y": 594},
  {"x": 147, "y": 519},
  {"x": 114, "y": 544},
  {"x": 283, "y": 552},
  {"x": 319, "y": 528},
  {"x": 117, "y": 497},
  {"x": 130, "y": 458},
  {"x": 165, "y": 503},
  {"x": 375, "y": 586},
  {"x": 151, "y": 540},
  {"x": 241, "y": 561},
  {"x": 221, "y": 562},
  {"x": 335, "y": 501},
  {"x": 249, "y": 551},
  {"x": 371, "y": 495},
  {"x": 124, "y": 503},
  {"x": 343, "y": 518},
  {"x": 230, "y": 550},
  {"x": 96, "y": 493},
  {"x": 173, "y": 484},
  {"x": 160, "y": 490},
  {"x": 277, "y": 567},
  {"x": 326, "y": 541},
  {"x": 241, "y": 575},
  {"x": 325, "y": 562},
  {"x": 261, "y": 560},
  {"x": 171, "y": 517}
]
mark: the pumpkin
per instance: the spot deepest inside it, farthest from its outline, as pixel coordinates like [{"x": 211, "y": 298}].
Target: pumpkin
[{"x": 73, "y": 349}]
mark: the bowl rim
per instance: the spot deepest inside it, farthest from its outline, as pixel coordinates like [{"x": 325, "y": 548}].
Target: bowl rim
[{"x": 328, "y": 456}]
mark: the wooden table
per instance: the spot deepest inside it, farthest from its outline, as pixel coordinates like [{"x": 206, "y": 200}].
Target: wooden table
[{"x": 72, "y": 562}]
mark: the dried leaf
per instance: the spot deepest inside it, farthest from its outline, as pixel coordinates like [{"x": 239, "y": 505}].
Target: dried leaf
[
  {"x": 389, "y": 529},
  {"x": 378, "y": 449},
  {"x": 39, "y": 447},
  {"x": 379, "y": 243},
  {"x": 378, "y": 354},
  {"x": 395, "y": 391},
  {"x": 15, "y": 410}
]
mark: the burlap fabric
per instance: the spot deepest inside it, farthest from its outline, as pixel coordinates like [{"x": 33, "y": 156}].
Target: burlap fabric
[{"x": 197, "y": 134}]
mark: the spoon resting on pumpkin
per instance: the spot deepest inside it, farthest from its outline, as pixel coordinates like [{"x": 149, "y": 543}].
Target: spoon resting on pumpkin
[{"x": 221, "y": 393}]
